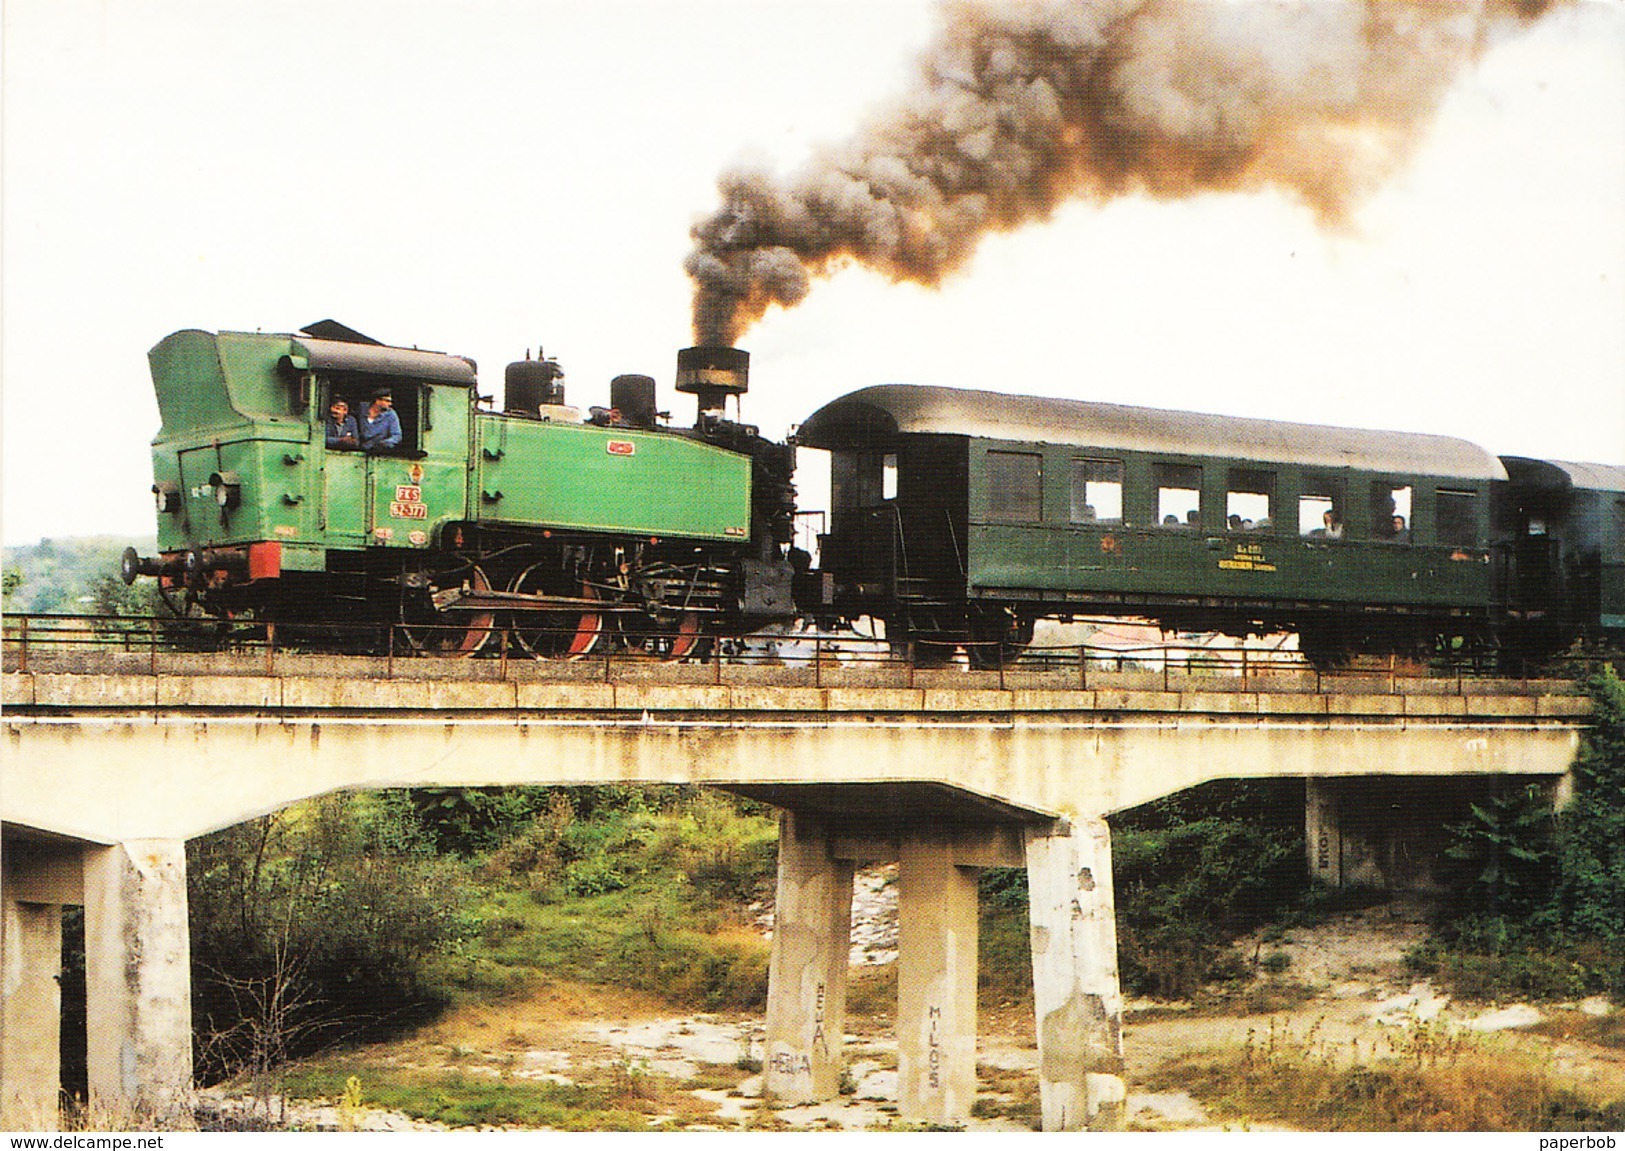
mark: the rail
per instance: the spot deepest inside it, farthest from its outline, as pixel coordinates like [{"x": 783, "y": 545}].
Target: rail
[{"x": 155, "y": 644}]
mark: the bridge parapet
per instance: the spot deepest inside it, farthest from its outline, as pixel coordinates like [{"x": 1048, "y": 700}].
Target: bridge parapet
[{"x": 317, "y": 684}]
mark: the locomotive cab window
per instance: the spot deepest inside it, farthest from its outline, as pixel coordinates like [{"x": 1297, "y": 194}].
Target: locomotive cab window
[
  {"x": 1097, "y": 491},
  {"x": 1455, "y": 518},
  {"x": 407, "y": 401},
  {"x": 1179, "y": 495},
  {"x": 1249, "y": 500},
  {"x": 1015, "y": 487},
  {"x": 1391, "y": 512}
]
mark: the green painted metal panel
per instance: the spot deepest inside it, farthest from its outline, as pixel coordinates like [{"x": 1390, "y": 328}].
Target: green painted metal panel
[
  {"x": 409, "y": 499},
  {"x": 1094, "y": 559},
  {"x": 608, "y": 479},
  {"x": 1055, "y": 556},
  {"x": 228, "y": 406},
  {"x": 190, "y": 385},
  {"x": 344, "y": 496},
  {"x": 257, "y": 388}
]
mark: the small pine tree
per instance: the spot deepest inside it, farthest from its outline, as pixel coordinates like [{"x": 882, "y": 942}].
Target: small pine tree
[{"x": 1500, "y": 860}]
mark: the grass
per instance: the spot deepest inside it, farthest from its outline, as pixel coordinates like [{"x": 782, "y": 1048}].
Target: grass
[
  {"x": 623, "y": 1097},
  {"x": 1425, "y": 1081},
  {"x": 632, "y": 898},
  {"x": 1257, "y": 997},
  {"x": 1602, "y": 1031},
  {"x": 646, "y": 936},
  {"x": 1014, "y": 1096},
  {"x": 1543, "y": 972}
]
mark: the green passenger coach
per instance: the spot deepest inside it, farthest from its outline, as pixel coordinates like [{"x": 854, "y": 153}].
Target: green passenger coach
[{"x": 967, "y": 515}]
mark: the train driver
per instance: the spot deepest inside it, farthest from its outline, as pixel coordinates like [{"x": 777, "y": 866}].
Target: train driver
[
  {"x": 381, "y": 427},
  {"x": 341, "y": 429}
]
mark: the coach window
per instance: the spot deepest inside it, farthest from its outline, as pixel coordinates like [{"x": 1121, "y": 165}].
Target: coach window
[
  {"x": 1249, "y": 498},
  {"x": 1015, "y": 487},
  {"x": 1179, "y": 495},
  {"x": 1320, "y": 507},
  {"x": 1097, "y": 491},
  {"x": 1455, "y": 518},
  {"x": 888, "y": 476},
  {"x": 1391, "y": 511}
]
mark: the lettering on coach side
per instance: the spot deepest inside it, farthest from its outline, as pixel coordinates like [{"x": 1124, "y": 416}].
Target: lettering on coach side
[{"x": 1248, "y": 557}]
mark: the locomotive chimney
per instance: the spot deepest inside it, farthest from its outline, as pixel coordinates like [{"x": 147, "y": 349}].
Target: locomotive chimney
[{"x": 713, "y": 372}]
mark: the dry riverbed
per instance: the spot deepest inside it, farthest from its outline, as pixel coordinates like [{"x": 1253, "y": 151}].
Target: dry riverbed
[{"x": 1341, "y": 991}]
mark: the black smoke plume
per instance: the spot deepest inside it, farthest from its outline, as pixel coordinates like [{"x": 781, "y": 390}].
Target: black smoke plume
[{"x": 1024, "y": 105}]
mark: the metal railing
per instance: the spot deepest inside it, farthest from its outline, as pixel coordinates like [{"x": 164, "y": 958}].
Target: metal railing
[{"x": 499, "y": 650}]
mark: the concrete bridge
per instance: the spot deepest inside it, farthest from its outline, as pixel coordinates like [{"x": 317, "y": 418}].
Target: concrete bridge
[{"x": 111, "y": 763}]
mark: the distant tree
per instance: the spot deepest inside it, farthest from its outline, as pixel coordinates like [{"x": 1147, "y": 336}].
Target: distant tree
[{"x": 74, "y": 576}]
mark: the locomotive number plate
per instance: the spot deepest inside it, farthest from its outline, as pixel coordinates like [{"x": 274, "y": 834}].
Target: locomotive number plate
[{"x": 408, "y": 503}]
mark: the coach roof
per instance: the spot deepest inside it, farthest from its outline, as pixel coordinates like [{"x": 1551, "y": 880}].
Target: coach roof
[{"x": 893, "y": 409}]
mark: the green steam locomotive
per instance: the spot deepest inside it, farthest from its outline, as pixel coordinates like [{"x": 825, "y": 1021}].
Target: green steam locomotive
[{"x": 533, "y": 522}]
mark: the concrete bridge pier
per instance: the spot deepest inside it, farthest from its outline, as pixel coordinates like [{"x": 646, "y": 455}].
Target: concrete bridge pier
[
  {"x": 138, "y": 977},
  {"x": 36, "y": 880},
  {"x": 1322, "y": 832},
  {"x": 937, "y": 929},
  {"x": 1074, "y": 938},
  {"x": 806, "y": 981},
  {"x": 1076, "y": 995},
  {"x": 137, "y": 969},
  {"x": 30, "y": 1011}
]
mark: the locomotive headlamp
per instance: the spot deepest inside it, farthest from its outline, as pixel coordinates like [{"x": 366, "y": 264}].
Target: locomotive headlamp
[
  {"x": 167, "y": 497},
  {"x": 228, "y": 488}
]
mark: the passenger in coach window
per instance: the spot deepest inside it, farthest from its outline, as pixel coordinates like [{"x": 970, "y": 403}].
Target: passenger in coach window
[
  {"x": 1401, "y": 534},
  {"x": 1334, "y": 524}
]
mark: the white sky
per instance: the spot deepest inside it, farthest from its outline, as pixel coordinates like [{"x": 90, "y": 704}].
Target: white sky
[{"x": 478, "y": 175}]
